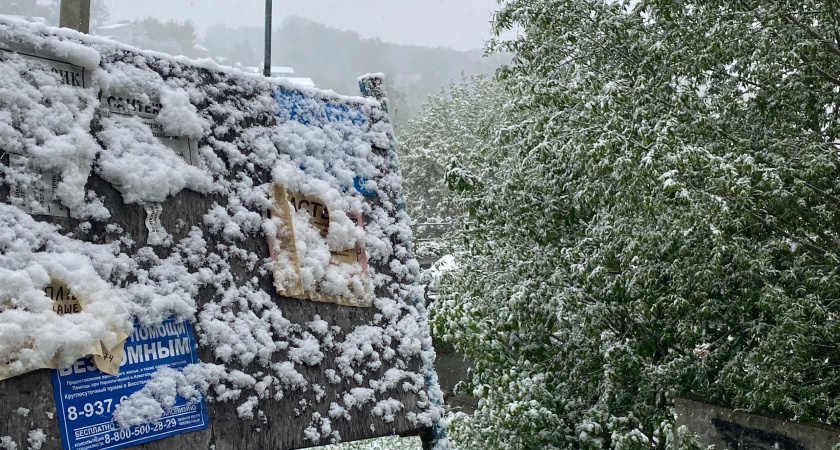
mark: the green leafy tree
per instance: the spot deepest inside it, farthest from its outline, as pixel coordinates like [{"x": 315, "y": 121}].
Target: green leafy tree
[
  {"x": 173, "y": 36},
  {"x": 658, "y": 217},
  {"x": 450, "y": 138},
  {"x": 99, "y": 13}
]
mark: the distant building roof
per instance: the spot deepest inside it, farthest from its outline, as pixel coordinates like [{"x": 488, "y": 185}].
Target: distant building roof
[
  {"x": 108, "y": 29},
  {"x": 275, "y": 70},
  {"x": 300, "y": 81},
  {"x": 37, "y": 19},
  {"x": 283, "y": 72},
  {"x": 282, "y": 69}
]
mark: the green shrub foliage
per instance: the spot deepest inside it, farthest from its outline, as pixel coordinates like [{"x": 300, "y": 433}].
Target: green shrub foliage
[{"x": 656, "y": 216}]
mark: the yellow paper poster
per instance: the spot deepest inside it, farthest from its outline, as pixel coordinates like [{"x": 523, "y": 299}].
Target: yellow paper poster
[
  {"x": 352, "y": 260},
  {"x": 65, "y": 302},
  {"x": 281, "y": 247},
  {"x": 107, "y": 360}
]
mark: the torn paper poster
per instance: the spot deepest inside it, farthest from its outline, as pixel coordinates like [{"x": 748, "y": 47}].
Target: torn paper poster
[
  {"x": 281, "y": 247},
  {"x": 34, "y": 189},
  {"x": 157, "y": 234},
  {"x": 106, "y": 358},
  {"x": 70, "y": 74},
  {"x": 326, "y": 259},
  {"x": 149, "y": 112}
]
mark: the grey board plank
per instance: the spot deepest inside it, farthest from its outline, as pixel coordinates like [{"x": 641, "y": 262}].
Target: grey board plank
[
  {"x": 283, "y": 426},
  {"x": 284, "y": 419}
]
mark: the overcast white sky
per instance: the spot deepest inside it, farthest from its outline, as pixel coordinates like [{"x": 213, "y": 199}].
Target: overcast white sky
[{"x": 459, "y": 24}]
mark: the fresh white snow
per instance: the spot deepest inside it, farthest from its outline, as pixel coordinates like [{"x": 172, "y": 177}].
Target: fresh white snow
[{"x": 122, "y": 125}]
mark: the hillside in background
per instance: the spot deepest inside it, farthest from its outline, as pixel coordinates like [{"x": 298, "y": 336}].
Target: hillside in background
[{"x": 334, "y": 58}]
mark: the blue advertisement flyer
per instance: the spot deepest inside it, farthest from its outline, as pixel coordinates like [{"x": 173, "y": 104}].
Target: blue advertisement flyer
[{"x": 86, "y": 398}]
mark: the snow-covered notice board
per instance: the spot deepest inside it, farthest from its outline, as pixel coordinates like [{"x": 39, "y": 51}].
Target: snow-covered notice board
[{"x": 198, "y": 257}]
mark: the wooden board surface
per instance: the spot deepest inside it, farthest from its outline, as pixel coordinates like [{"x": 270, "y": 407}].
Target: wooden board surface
[{"x": 278, "y": 424}]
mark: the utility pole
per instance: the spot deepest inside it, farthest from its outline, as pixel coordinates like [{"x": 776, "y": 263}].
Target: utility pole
[
  {"x": 267, "y": 56},
  {"x": 75, "y": 14}
]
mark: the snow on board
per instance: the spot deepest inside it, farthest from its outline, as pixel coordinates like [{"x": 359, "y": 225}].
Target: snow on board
[{"x": 163, "y": 172}]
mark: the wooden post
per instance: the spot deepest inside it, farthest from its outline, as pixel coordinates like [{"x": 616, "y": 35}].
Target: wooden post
[{"x": 75, "y": 14}]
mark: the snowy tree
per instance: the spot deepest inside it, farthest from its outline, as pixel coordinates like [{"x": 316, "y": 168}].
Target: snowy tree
[
  {"x": 49, "y": 10},
  {"x": 453, "y": 134},
  {"x": 32, "y": 9},
  {"x": 99, "y": 13},
  {"x": 174, "y": 36},
  {"x": 663, "y": 221}
]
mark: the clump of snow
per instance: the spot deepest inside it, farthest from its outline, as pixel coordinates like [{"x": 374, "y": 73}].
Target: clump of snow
[
  {"x": 140, "y": 166},
  {"x": 320, "y": 428},
  {"x": 22, "y": 411},
  {"x": 358, "y": 397},
  {"x": 178, "y": 116},
  {"x": 366, "y": 76},
  {"x": 158, "y": 395},
  {"x": 32, "y": 335},
  {"x": 7, "y": 443},
  {"x": 306, "y": 350},
  {"x": 246, "y": 409},
  {"x": 343, "y": 233},
  {"x": 387, "y": 409},
  {"x": 37, "y": 438}
]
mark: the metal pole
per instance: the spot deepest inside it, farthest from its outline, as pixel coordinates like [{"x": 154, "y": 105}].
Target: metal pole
[
  {"x": 267, "y": 57},
  {"x": 75, "y": 14}
]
